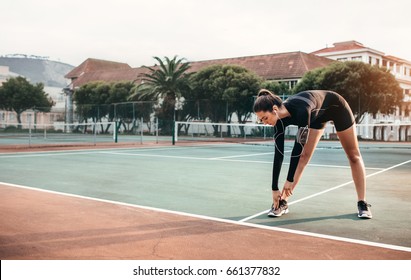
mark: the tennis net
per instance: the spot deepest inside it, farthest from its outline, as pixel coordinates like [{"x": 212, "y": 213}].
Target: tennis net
[
  {"x": 258, "y": 133},
  {"x": 222, "y": 132},
  {"x": 74, "y": 133}
]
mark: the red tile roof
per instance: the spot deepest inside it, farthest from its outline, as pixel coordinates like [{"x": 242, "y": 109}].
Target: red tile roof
[
  {"x": 92, "y": 64},
  {"x": 291, "y": 65},
  {"x": 396, "y": 59},
  {"x": 121, "y": 75},
  {"x": 272, "y": 66},
  {"x": 341, "y": 46}
]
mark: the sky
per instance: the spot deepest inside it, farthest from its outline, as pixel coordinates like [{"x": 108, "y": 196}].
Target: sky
[{"x": 134, "y": 31}]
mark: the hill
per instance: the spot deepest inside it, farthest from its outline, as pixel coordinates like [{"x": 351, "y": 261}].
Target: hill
[{"x": 38, "y": 70}]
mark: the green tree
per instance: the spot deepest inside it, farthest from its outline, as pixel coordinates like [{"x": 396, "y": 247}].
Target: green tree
[
  {"x": 18, "y": 95},
  {"x": 223, "y": 90},
  {"x": 125, "y": 111},
  {"x": 311, "y": 80},
  {"x": 168, "y": 82},
  {"x": 91, "y": 101},
  {"x": 280, "y": 89},
  {"x": 366, "y": 88}
]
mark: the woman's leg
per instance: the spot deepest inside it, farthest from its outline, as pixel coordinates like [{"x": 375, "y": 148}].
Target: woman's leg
[
  {"x": 314, "y": 137},
  {"x": 349, "y": 141}
]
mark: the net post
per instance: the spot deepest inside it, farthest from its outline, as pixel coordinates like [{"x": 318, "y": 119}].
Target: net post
[
  {"x": 156, "y": 130},
  {"x": 115, "y": 134},
  {"x": 141, "y": 130},
  {"x": 174, "y": 132},
  {"x": 30, "y": 131},
  {"x": 95, "y": 132}
]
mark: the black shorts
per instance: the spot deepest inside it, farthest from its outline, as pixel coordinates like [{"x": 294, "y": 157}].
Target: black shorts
[{"x": 337, "y": 110}]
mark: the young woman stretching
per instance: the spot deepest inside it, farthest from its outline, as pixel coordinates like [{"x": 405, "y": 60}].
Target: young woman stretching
[{"x": 310, "y": 111}]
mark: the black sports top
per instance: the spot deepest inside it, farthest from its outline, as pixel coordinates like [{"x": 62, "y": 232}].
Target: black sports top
[{"x": 313, "y": 108}]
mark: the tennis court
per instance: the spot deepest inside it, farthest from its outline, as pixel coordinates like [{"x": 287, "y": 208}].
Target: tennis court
[{"x": 200, "y": 201}]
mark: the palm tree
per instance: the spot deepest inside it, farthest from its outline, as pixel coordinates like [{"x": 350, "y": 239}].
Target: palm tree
[{"x": 166, "y": 82}]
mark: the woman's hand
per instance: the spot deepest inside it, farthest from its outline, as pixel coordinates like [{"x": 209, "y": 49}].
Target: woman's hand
[
  {"x": 287, "y": 189},
  {"x": 276, "y": 198}
]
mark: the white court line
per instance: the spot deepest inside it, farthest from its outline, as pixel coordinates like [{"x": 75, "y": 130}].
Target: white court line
[
  {"x": 151, "y": 155},
  {"x": 48, "y": 154},
  {"x": 105, "y": 151},
  {"x": 88, "y": 151},
  {"x": 95, "y": 151},
  {"x": 327, "y": 190},
  {"x": 238, "y": 223},
  {"x": 229, "y": 160},
  {"x": 247, "y": 155},
  {"x": 91, "y": 151}
]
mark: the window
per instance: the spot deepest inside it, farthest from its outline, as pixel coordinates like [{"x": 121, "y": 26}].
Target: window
[
  {"x": 356, "y": 58},
  {"x": 370, "y": 60},
  {"x": 293, "y": 83},
  {"x": 342, "y": 59}
]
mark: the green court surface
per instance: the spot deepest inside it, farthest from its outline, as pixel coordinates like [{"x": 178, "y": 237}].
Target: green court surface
[{"x": 233, "y": 182}]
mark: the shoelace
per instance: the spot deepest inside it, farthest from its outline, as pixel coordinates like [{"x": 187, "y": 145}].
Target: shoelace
[
  {"x": 363, "y": 205},
  {"x": 281, "y": 204}
]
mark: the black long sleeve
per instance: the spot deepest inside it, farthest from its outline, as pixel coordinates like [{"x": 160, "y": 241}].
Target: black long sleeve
[
  {"x": 295, "y": 158},
  {"x": 312, "y": 109},
  {"x": 278, "y": 158}
]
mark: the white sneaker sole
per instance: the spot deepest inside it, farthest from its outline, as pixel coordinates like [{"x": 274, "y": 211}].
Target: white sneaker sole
[
  {"x": 271, "y": 214},
  {"x": 364, "y": 216}
]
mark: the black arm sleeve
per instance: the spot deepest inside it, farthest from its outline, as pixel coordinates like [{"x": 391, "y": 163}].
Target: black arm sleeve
[
  {"x": 278, "y": 157},
  {"x": 295, "y": 158}
]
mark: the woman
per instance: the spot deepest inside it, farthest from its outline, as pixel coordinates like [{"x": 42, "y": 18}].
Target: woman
[{"x": 309, "y": 110}]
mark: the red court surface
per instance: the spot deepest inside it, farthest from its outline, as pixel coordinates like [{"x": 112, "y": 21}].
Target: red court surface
[{"x": 42, "y": 225}]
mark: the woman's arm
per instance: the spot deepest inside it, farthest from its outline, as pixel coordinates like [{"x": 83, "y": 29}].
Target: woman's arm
[
  {"x": 278, "y": 161},
  {"x": 278, "y": 156},
  {"x": 294, "y": 175},
  {"x": 295, "y": 158}
]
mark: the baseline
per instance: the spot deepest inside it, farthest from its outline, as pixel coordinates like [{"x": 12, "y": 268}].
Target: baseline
[
  {"x": 250, "y": 225},
  {"x": 327, "y": 190}
]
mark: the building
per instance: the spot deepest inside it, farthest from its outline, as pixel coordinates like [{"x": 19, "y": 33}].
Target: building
[
  {"x": 284, "y": 67},
  {"x": 36, "y": 70},
  {"x": 5, "y": 74},
  {"x": 400, "y": 68}
]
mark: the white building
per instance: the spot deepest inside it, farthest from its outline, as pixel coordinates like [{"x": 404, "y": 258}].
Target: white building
[
  {"x": 400, "y": 68},
  {"x": 57, "y": 112}
]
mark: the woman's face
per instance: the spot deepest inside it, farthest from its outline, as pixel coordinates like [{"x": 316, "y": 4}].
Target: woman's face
[{"x": 267, "y": 117}]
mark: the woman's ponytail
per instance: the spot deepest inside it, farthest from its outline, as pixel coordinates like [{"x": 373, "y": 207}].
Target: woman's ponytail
[{"x": 266, "y": 100}]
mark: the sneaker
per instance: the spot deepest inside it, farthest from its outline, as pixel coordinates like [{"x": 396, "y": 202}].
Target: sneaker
[
  {"x": 364, "y": 210},
  {"x": 278, "y": 212}
]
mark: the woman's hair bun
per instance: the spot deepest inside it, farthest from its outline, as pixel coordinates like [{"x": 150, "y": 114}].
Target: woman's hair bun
[
  {"x": 264, "y": 92},
  {"x": 266, "y": 100}
]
